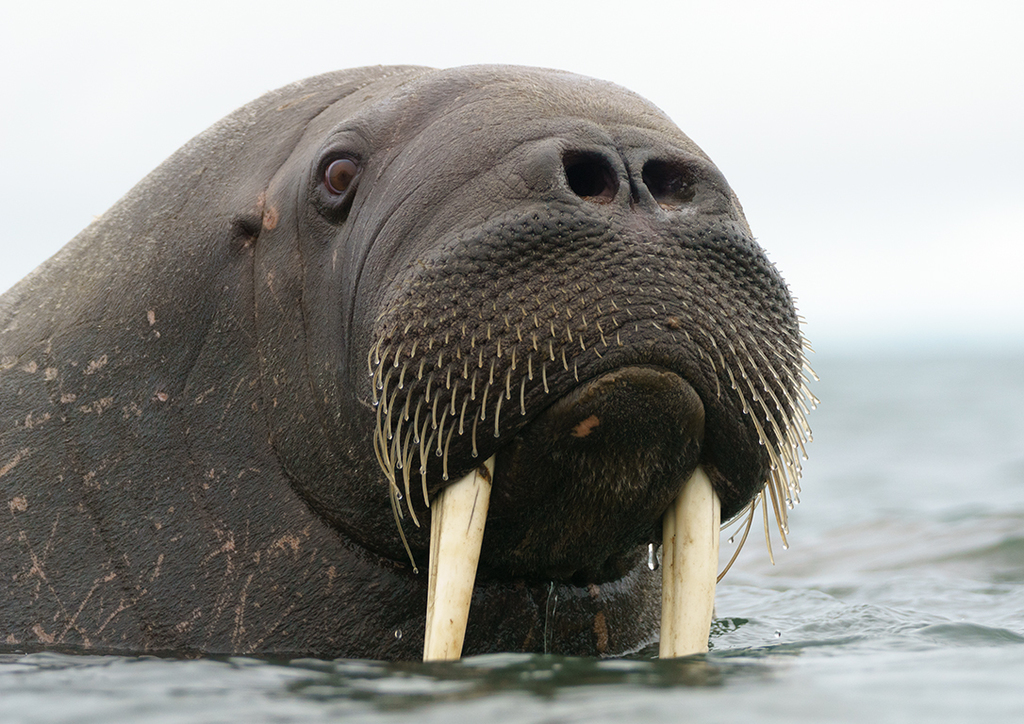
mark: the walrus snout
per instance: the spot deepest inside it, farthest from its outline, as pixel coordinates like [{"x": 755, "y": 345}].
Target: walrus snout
[
  {"x": 657, "y": 177},
  {"x": 579, "y": 493}
]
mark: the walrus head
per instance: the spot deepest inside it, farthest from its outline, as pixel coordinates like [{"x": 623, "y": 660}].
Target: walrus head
[{"x": 534, "y": 270}]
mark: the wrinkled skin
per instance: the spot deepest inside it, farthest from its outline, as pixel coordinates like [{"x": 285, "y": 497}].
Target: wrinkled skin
[{"x": 190, "y": 390}]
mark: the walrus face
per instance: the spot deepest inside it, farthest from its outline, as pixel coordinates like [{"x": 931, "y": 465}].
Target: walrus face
[{"x": 552, "y": 278}]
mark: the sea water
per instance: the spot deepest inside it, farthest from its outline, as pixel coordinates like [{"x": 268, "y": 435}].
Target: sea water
[{"x": 901, "y": 598}]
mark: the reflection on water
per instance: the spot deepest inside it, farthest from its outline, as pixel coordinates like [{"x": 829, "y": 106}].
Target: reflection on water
[
  {"x": 402, "y": 686},
  {"x": 42, "y": 687}
]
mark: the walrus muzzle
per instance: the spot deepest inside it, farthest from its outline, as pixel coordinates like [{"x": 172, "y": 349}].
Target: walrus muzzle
[{"x": 589, "y": 478}]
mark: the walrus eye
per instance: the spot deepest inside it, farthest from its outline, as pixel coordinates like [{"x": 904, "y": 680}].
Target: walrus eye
[{"x": 339, "y": 175}]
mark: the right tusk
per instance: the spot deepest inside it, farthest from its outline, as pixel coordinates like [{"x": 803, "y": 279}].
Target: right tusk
[
  {"x": 689, "y": 568},
  {"x": 458, "y": 514}
]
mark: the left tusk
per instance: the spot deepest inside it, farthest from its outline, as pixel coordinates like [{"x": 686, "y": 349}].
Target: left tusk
[
  {"x": 690, "y": 533},
  {"x": 458, "y": 514}
]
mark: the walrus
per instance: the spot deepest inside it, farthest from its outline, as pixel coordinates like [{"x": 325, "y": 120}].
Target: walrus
[{"x": 397, "y": 362}]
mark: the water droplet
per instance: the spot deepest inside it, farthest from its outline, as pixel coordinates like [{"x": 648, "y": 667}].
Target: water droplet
[
  {"x": 652, "y": 557},
  {"x": 398, "y": 633}
]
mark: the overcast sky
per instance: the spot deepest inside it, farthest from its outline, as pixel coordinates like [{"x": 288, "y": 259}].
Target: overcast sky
[{"x": 877, "y": 147}]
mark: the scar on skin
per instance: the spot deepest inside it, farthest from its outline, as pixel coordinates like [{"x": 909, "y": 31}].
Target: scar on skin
[
  {"x": 187, "y": 624},
  {"x": 13, "y": 461},
  {"x": 151, "y": 316},
  {"x": 586, "y": 427},
  {"x": 42, "y": 635},
  {"x": 295, "y": 102},
  {"x": 18, "y": 504},
  {"x": 98, "y": 407},
  {"x": 287, "y": 541},
  {"x": 31, "y": 421},
  {"x": 95, "y": 365},
  {"x": 269, "y": 213},
  {"x": 601, "y": 632},
  {"x": 270, "y": 217}
]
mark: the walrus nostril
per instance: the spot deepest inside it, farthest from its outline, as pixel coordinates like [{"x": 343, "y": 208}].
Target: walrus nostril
[
  {"x": 590, "y": 177},
  {"x": 671, "y": 184}
]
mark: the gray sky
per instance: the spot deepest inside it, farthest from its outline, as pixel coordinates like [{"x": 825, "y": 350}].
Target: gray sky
[{"x": 877, "y": 147}]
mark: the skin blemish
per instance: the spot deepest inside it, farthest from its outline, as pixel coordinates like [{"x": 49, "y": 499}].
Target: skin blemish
[
  {"x": 295, "y": 102},
  {"x": 600, "y": 633},
  {"x": 95, "y": 365},
  {"x": 586, "y": 427},
  {"x": 32, "y": 421},
  {"x": 13, "y": 462},
  {"x": 287, "y": 542},
  {"x": 98, "y": 407},
  {"x": 270, "y": 218},
  {"x": 42, "y": 635}
]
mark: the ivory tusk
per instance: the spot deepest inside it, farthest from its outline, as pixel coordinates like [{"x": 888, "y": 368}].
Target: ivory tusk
[
  {"x": 690, "y": 533},
  {"x": 458, "y": 514}
]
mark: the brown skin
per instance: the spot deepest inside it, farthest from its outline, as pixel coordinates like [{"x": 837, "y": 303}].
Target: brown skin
[{"x": 187, "y": 413}]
